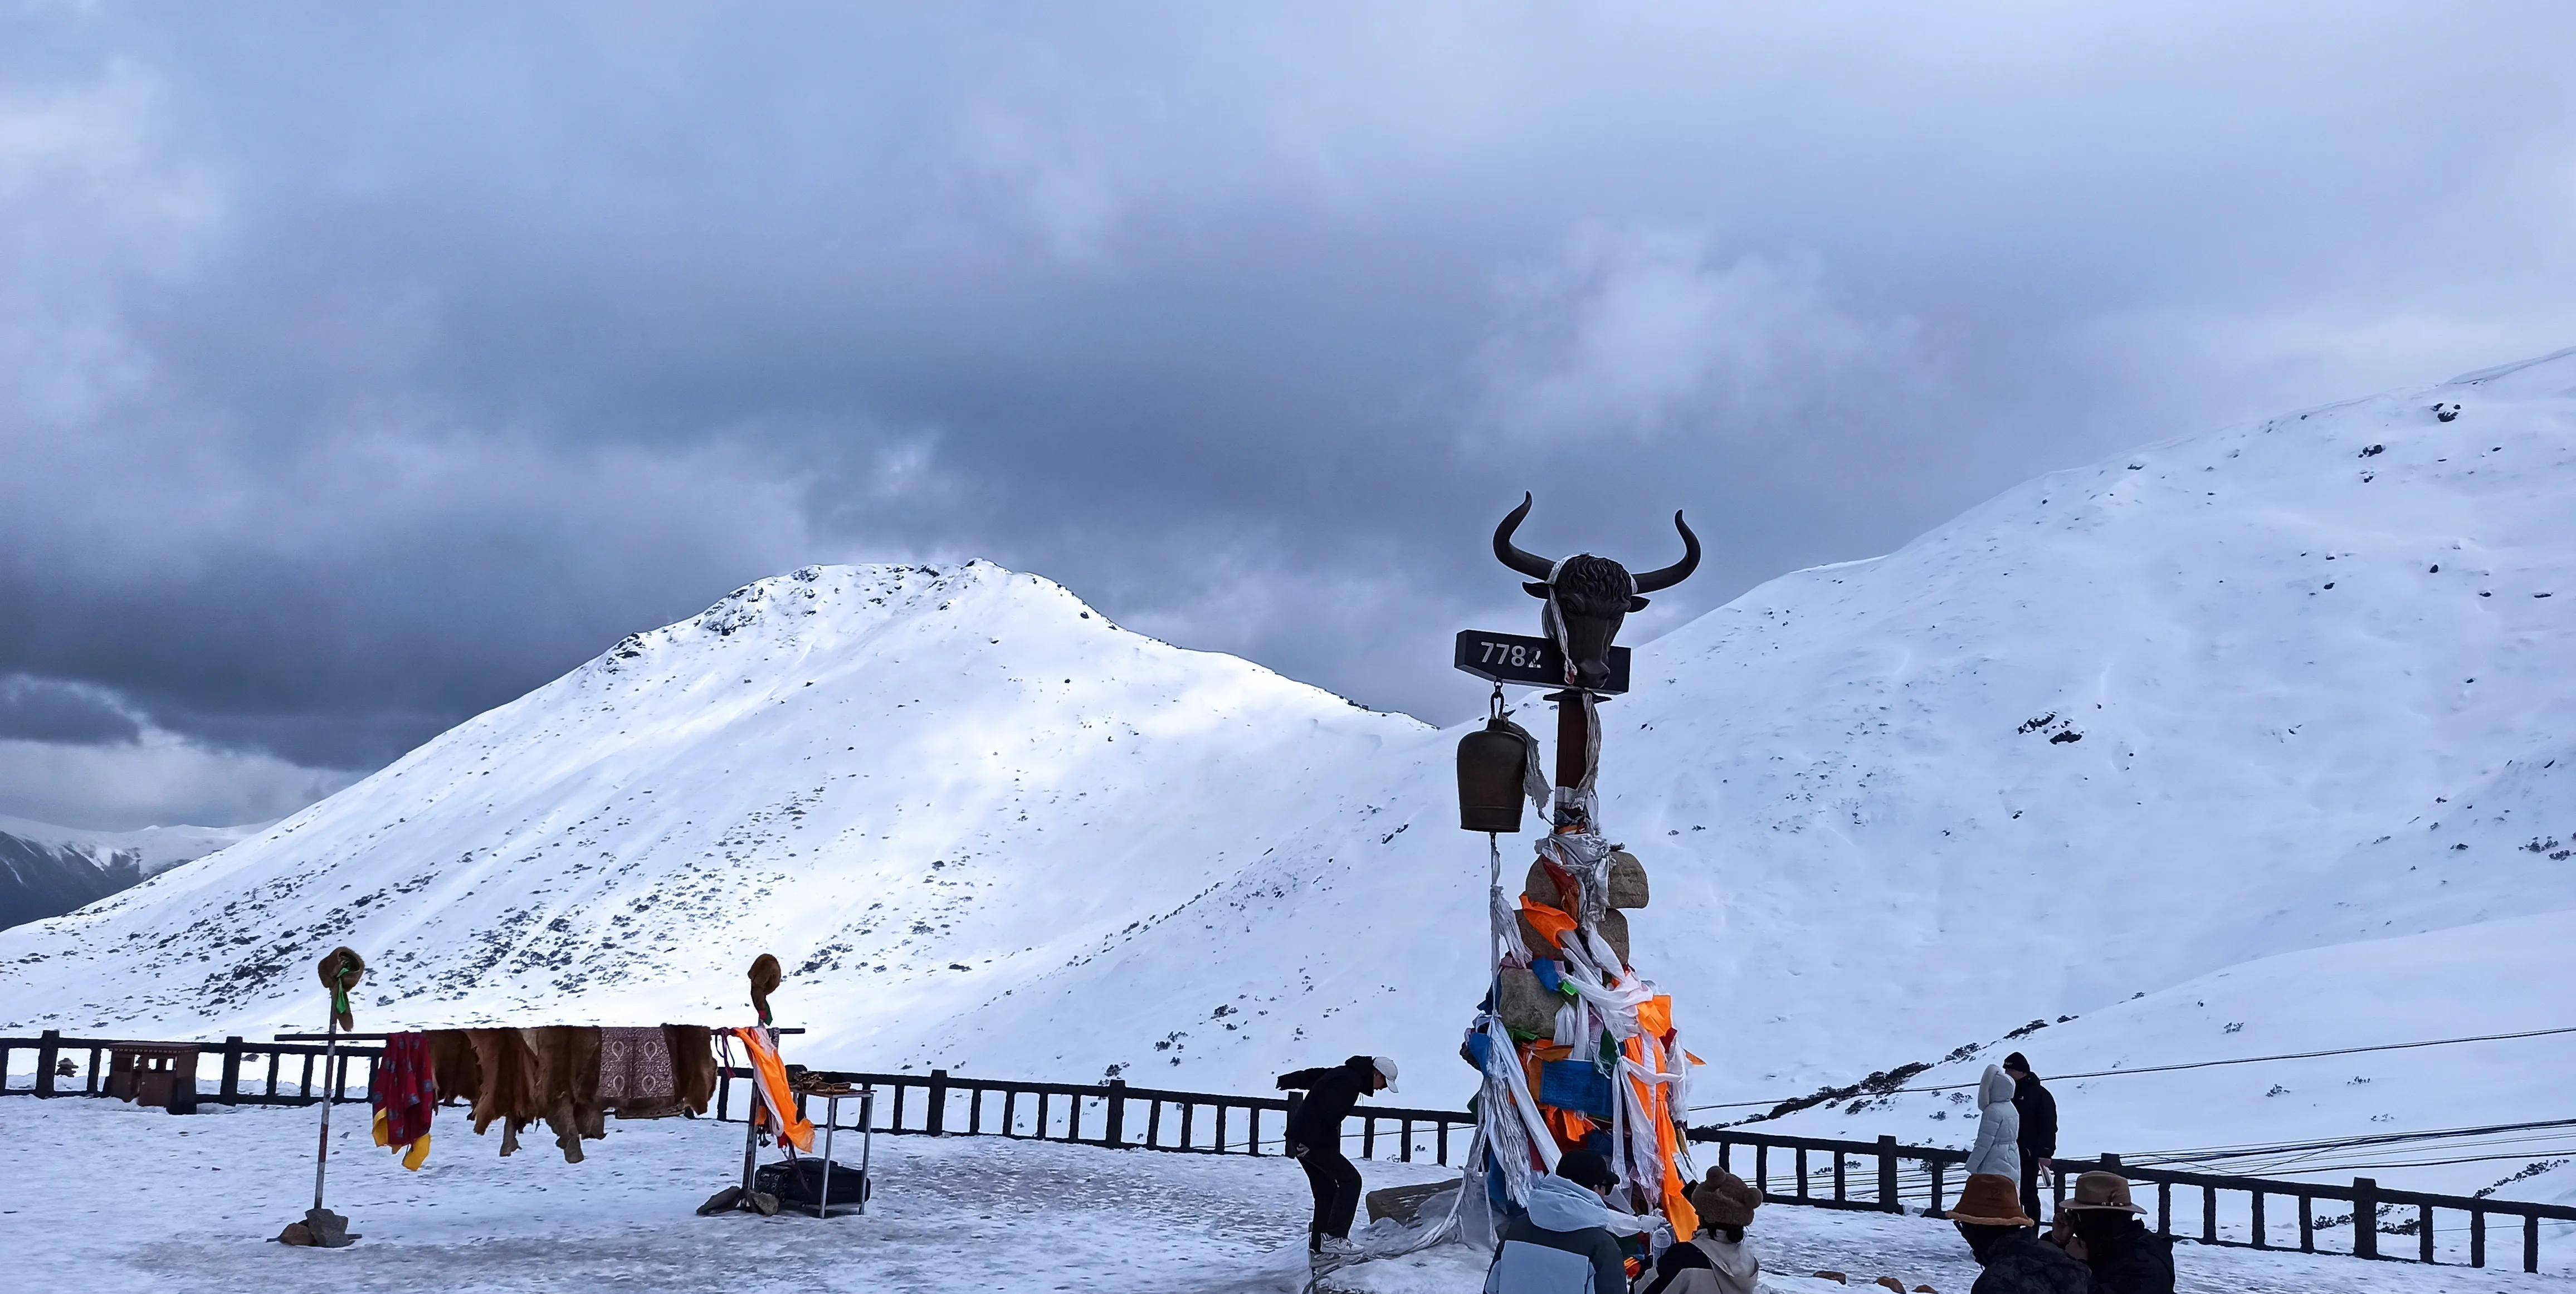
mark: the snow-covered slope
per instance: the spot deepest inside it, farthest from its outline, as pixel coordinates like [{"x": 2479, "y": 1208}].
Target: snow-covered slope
[
  {"x": 2231, "y": 705},
  {"x": 46, "y": 870},
  {"x": 2282, "y": 687},
  {"x": 910, "y": 784}
]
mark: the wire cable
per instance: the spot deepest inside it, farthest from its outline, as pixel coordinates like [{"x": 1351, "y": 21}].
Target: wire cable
[{"x": 2167, "y": 1069}]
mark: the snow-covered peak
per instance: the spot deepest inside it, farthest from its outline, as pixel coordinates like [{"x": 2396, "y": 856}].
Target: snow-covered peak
[{"x": 908, "y": 780}]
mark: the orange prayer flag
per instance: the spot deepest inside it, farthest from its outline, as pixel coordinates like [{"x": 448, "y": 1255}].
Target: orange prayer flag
[
  {"x": 1655, "y": 1016},
  {"x": 1551, "y": 923}
]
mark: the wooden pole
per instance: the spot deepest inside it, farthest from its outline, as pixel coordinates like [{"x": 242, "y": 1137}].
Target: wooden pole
[{"x": 1573, "y": 745}]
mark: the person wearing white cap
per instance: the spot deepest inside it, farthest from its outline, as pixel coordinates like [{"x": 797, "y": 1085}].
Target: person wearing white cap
[{"x": 1315, "y": 1140}]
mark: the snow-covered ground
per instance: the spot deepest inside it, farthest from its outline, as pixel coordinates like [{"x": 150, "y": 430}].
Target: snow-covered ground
[
  {"x": 105, "y": 1196},
  {"x": 2240, "y": 744}
]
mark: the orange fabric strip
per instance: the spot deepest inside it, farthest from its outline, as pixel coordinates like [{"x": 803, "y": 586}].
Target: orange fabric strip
[
  {"x": 773, "y": 1085},
  {"x": 1554, "y": 923}
]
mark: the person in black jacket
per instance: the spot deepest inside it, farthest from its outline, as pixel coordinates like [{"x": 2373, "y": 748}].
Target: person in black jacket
[
  {"x": 2100, "y": 1226},
  {"x": 2000, "y": 1236},
  {"x": 2038, "y": 1130},
  {"x": 1315, "y": 1138}
]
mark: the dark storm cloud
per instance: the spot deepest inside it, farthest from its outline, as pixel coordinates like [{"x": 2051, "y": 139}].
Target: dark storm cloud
[
  {"x": 35, "y": 709},
  {"x": 365, "y": 366}
]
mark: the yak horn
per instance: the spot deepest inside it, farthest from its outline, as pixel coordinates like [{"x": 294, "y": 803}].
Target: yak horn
[
  {"x": 1650, "y": 581},
  {"x": 1529, "y": 564}
]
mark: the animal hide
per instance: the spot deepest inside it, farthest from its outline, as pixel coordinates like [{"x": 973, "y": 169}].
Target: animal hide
[
  {"x": 693, "y": 1065},
  {"x": 565, "y": 1085},
  {"x": 452, "y": 1065}
]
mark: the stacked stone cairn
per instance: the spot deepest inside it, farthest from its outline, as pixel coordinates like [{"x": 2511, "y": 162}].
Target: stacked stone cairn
[{"x": 1577, "y": 1048}]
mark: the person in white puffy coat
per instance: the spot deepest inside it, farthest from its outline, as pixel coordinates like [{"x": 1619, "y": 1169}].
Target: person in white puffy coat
[{"x": 1998, "y": 1148}]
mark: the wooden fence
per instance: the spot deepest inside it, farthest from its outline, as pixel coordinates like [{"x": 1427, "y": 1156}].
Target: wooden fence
[
  {"x": 1115, "y": 1114},
  {"x": 1882, "y": 1176},
  {"x": 1822, "y": 1172},
  {"x": 289, "y": 1078}
]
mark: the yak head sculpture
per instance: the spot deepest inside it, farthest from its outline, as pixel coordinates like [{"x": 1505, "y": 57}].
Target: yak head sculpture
[{"x": 1587, "y": 597}]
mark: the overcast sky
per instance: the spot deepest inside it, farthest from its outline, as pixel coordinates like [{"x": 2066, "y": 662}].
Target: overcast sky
[{"x": 364, "y": 366}]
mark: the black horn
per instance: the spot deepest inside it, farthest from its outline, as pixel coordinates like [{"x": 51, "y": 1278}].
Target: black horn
[
  {"x": 1531, "y": 564},
  {"x": 1648, "y": 581}
]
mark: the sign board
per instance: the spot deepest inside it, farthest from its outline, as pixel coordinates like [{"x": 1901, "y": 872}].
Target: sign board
[{"x": 1519, "y": 658}]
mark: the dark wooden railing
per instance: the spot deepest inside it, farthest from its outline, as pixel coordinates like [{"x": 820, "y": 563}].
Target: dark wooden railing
[
  {"x": 1112, "y": 1114},
  {"x": 1882, "y": 1176},
  {"x": 1821, "y": 1172},
  {"x": 290, "y": 1077}
]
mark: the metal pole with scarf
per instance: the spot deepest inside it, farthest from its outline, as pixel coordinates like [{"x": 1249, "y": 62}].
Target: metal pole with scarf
[{"x": 340, "y": 971}]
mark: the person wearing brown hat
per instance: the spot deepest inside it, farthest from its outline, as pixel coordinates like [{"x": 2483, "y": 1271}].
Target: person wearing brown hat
[
  {"x": 1716, "y": 1261},
  {"x": 2108, "y": 1237},
  {"x": 1999, "y": 1235}
]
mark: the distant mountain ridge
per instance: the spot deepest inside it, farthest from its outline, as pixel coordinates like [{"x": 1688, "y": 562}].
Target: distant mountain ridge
[{"x": 46, "y": 870}]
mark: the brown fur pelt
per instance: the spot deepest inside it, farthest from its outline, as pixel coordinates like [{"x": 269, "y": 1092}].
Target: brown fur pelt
[
  {"x": 452, "y": 1066},
  {"x": 693, "y": 1064}
]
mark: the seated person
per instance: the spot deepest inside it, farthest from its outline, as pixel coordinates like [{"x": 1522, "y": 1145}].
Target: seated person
[
  {"x": 1716, "y": 1261},
  {"x": 1567, "y": 1242},
  {"x": 2100, "y": 1227},
  {"x": 2005, "y": 1243}
]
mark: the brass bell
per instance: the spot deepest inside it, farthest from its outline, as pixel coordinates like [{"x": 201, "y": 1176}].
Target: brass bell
[{"x": 1491, "y": 764}]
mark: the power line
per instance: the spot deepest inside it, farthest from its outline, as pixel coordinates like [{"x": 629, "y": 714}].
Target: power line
[
  {"x": 2295, "y": 1151},
  {"x": 2166, "y": 1069}
]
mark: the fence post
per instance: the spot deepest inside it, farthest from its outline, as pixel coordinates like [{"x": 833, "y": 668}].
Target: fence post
[
  {"x": 48, "y": 1049},
  {"x": 1887, "y": 1200},
  {"x": 1296, "y": 1102},
  {"x": 230, "y": 1092},
  {"x": 2365, "y": 1218},
  {"x": 1116, "y": 1136},
  {"x": 936, "y": 1123}
]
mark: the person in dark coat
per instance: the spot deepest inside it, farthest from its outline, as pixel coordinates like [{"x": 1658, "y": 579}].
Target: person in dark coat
[
  {"x": 2038, "y": 1109},
  {"x": 2101, "y": 1227},
  {"x": 1315, "y": 1139},
  {"x": 1566, "y": 1242},
  {"x": 2004, "y": 1242}
]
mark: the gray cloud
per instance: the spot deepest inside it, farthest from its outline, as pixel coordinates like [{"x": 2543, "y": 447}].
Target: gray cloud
[
  {"x": 361, "y": 368},
  {"x": 36, "y": 709}
]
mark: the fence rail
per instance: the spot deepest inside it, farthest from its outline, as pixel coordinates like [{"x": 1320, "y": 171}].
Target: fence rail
[
  {"x": 1821, "y": 1172},
  {"x": 290, "y": 1078},
  {"x": 1116, "y": 1114},
  {"x": 1893, "y": 1176}
]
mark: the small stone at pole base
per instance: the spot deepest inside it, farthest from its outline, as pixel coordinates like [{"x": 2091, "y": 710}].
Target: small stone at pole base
[{"x": 320, "y": 1229}]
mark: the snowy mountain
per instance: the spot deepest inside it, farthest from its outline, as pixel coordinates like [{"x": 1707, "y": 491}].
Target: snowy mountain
[
  {"x": 912, "y": 785},
  {"x": 2262, "y": 724},
  {"x": 47, "y": 870},
  {"x": 2252, "y": 704}
]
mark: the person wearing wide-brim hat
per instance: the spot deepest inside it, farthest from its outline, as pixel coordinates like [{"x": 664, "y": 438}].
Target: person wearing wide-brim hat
[
  {"x": 2108, "y": 1237},
  {"x": 2001, "y": 1237},
  {"x": 1716, "y": 1261}
]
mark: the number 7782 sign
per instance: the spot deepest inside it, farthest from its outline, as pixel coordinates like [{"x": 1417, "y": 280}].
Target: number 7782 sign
[{"x": 1517, "y": 658}]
